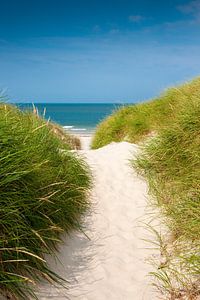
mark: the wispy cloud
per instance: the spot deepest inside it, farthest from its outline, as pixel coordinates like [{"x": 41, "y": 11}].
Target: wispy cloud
[
  {"x": 114, "y": 31},
  {"x": 136, "y": 18},
  {"x": 102, "y": 68},
  {"x": 192, "y": 8},
  {"x": 96, "y": 29}
]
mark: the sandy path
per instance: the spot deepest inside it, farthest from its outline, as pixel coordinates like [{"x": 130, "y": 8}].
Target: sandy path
[{"x": 111, "y": 264}]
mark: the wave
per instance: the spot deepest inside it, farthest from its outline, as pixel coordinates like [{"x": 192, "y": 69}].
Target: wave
[
  {"x": 68, "y": 127},
  {"x": 72, "y": 128},
  {"x": 78, "y": 129}
]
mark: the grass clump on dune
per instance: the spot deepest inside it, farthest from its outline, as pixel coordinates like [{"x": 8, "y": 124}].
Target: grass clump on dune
[
  {"x": 43, "y": 193},
  {"x": 170, "y": 161},
  {"x": 70, "y": 140},
  {"x": 171, "y": 164},
  {"x": 136, "y": 122}
]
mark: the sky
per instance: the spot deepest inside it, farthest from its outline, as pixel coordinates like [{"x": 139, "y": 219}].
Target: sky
[{"x": 96, "y": 50}]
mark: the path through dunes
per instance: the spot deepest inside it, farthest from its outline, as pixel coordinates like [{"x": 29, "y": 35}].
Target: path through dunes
[{"x": 109, "y": 262}]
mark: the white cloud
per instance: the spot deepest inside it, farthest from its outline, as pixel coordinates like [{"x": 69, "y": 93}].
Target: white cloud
[
  {"x": 136, "y": 18},
  {"x": 114, "y": 31},
  {"x": 191, "y": 7},
  {"x": 96, "y": 29},
  {"x": 94, "y": 68}
]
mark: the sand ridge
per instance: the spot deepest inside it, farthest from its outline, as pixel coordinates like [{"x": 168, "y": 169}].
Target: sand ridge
[{"x": 108, "y": 260}]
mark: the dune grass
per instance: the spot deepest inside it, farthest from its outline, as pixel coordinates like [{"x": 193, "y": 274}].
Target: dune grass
[
  {"x": 73, "y": 142},
  {"x": 43, "y": 193},
  {"x": 135, "y": 122},
  {"x": 171, "y": 164},
  {"x": 170, "y": 161}
]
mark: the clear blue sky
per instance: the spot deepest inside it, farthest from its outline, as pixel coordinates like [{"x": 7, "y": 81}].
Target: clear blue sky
[{"x": 96, "y": 50}]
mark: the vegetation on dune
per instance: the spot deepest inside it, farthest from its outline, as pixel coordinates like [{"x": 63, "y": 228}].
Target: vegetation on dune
[
  {"x": 43, "y": 193},
  {"x": 44, "y": 187},
  {"x": 135, "y": 122},
  {"x": 171, "y": 164},
  {"x": 170, "y": 161},
  {"x": 70, "y": 140}
]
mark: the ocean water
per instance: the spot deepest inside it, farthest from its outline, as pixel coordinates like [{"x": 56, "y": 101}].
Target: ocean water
[{"x": 77, "y": 118}]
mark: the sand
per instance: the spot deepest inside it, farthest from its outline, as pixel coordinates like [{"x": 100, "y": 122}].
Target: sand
[{"x": 109, "y": 260}]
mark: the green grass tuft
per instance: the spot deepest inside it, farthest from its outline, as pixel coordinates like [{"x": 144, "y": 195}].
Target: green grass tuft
[
  {"x": 43, "y": 193},
  {"x": 136, "y": 122},
  {"x": 171, "y": 164},
  {"x": 170, "y": 161}
]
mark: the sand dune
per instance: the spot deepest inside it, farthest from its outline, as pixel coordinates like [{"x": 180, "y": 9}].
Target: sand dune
[{"x": 109, "y": 260}]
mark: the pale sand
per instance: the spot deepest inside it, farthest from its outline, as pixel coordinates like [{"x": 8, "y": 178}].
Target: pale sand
[{"x": 112, "y": 263}]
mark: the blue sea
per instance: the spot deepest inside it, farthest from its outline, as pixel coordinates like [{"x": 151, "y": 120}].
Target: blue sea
[{"x": 76, "y": 117}]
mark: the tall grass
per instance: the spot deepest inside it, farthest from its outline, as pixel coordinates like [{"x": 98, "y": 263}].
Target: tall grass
[
  {"x": 170, "y": 161},
  {"x": 136, "y": 122},
  {"x": 43, "y": 193},
  {"x": 171, "y": 164},
  {"x": 73, "y": 142}
]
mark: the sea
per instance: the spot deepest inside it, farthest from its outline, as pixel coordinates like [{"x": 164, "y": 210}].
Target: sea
[{"x": 77, "y": 118}]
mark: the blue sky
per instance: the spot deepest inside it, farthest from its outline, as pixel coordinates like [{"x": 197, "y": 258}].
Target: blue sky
[{"x": 96, "y": 51}]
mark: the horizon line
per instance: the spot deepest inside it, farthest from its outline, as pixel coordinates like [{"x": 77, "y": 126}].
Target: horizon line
[{"x": 70, "y": 102}]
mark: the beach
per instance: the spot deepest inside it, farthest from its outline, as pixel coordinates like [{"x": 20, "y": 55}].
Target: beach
[
  {"x": 99, "y": 150},
  {"x": 109, "y": 260}
]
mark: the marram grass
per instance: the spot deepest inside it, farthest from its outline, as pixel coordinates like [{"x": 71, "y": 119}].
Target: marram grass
[
  {"x": 43, "y": 193},
  {"x": 171, "y": 164},
  {"x": 134, "y": 123},
  {"x": 170, "y": 161}
]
